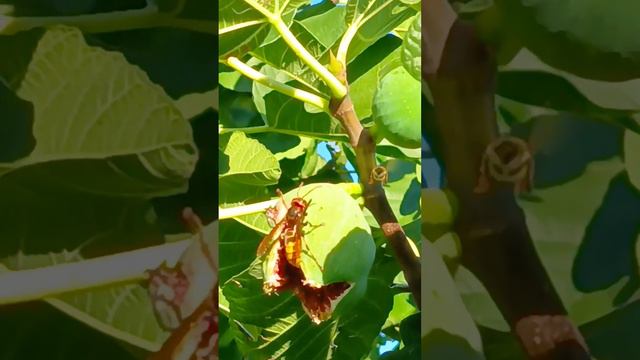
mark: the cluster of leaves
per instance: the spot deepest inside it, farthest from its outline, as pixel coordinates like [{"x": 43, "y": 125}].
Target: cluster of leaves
[
  {"x": 271, "y": 140},
  {"x": 558, "y": 88},
  {"x": 105, "y": 136}
]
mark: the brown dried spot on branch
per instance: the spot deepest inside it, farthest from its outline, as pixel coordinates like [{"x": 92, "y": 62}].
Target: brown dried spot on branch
[{"x": 542, "y": 334}]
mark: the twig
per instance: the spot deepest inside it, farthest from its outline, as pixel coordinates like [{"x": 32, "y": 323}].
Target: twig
[
  {"x": 496, "y": 244},
  {"x": 375, "y": 199}
]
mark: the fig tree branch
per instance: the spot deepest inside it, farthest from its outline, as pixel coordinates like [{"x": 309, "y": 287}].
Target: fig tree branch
[
  {"x": 496, "y": 245},
  {"x": 375, "y": 198}
]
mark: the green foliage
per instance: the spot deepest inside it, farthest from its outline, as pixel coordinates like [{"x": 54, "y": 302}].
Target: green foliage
[
  {"x": 271, "y": 140},
  {"x": 589, "y": 38},
  {"x": 558, "y": 88},
  {"x": 448, "y": 331},
  {"x": 101, "y": 148},
  {"x": 412, "y": 48},
  {"x": 631, "y": 154}
]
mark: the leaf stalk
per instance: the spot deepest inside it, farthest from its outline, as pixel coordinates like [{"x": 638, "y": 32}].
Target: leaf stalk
[
  {"x": 50, "y": 281},
  {"x": 276, "y": 85}
]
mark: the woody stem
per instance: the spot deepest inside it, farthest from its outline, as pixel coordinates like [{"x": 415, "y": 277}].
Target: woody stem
[
  {"x": 496, "y": 243},
  {"x": 375, "y": 198}
]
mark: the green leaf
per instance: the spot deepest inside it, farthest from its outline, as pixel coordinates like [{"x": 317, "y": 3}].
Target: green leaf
[
  {"x": 558, "y": 157},
  {"x": 189, "y": 9},
  {"x": 589, "y": 38},
  {"x": 410, "y": 331},
  {"x": 402, "y": 308},
  {"x": 27, "y": 334},
  {"x": 232, "y": 193},
  {"x": 313, "y": 164},
  {"x": 16, "y": 138},
  {"x": 632, "y": 157},
  {"x": 477, "y": 300},
  {"x": 315, "y": 19},
  {"x": 366, "y": 71},
  {"x": 610, "y": 336},
  {"x": 237, "y": 34},
  {"x": 285, "y": 146},
  {"x": 410, "y": 336},
  {"x": 604, "y": 95},
  {"x": 439, "y": 207},
  {"x": 603, "y": 258},
  {"x": 238, "y": 243},
  {"x": 412, "y": 48},
  {"x": 558, "y": 222},
  {"x": 289, "y": 115},
  {"x": 244, "y": 160},
  {"x": 259, "y": 91},
  {"x": 501, "y": 345},
  {"x": 241, "y": 27},
  {"x": 161, "y": 51},
  {"x": 548, "y": 90},
  {"x": 125, "y": 138},
  {"x": 283, "y": 329},
  {"x": 21, "y": 47},
  {"x": 396, "y": 109},
  {"x": 193, "y": 105},
  {"x": 239, "y": 110},
  {"x": 447, "y": 328},
  {"x": 358, "y": 327},
  {"x": 65, "y": 227},
  {"x": 373, "y": 19},
  {"x": 451, "y": 249},
  {"x": 315, "y": 36}
]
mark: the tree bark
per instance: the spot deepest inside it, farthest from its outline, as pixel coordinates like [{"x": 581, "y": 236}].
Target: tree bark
[{"x": 496, "y": 244}]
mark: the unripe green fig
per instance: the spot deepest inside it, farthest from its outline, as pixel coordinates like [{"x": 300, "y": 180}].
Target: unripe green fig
[
  {"x": 321, "y": 248},
  {"x": 396, "y": 109},
  {"x": 439, "y": 209}
]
